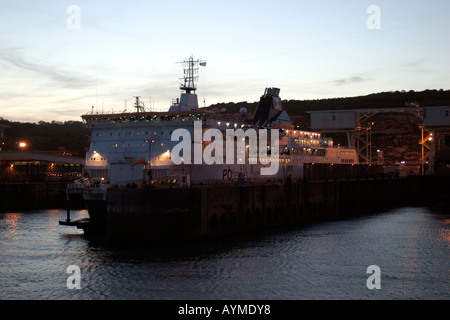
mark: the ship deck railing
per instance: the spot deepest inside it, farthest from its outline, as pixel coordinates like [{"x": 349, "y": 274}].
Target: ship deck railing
[{"x": 80, "y": 187}]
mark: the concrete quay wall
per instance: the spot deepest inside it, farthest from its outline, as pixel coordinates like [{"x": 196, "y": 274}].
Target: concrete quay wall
[
  {"x": 35, "y": 196},
  {"x": 218, "y": 210}
]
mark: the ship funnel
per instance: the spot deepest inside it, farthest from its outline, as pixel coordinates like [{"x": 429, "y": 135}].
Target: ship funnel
[{"x": 270, "y": 111}]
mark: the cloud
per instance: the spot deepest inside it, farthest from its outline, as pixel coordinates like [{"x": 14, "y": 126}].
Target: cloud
[
  {"x": 65, "y": 79},
  {"x": 353, "y": 79}
]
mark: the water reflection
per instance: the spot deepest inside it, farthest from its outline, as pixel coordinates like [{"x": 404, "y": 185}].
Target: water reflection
[
  {"x": 318, "y": 261},
  {"x": 10, "y": 223}
]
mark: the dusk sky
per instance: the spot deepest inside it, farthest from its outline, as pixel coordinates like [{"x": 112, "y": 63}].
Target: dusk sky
[{"x": 59, "y": 58}]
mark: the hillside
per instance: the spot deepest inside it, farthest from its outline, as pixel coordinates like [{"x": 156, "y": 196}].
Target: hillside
[
  {"x": 46, "y": 136},
  {"x": 395, "y": 99}
]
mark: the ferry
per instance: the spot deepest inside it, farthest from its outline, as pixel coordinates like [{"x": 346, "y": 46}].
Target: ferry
[{"x": 135, "y": 149}]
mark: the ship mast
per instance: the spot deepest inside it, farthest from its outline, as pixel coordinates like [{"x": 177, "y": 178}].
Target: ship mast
[
  {"x": 138, "y": 106},
  {"x": 190, "y": 67},
  {"x": 188, "y": 99}
]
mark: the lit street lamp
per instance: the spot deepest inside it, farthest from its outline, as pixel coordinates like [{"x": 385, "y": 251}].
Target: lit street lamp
[{"x": 22, "y": 145}]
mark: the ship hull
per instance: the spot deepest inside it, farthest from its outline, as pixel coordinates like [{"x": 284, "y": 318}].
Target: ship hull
[
  {"x": 97, "y": 208},
  {"x": 164, "y": 215}
]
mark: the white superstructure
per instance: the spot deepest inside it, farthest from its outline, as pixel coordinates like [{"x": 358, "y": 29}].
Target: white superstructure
[{"x": 135, "y": 149}]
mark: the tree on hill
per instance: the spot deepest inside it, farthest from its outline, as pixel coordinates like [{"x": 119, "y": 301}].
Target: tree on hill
[
  {"x": 396, "y": 99},
  {"x": 46, "y": 136}
]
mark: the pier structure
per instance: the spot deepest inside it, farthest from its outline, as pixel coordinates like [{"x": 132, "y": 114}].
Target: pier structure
[
  {"x": 357, "y": 124},
  {"x": 435, "y": 139},
  {"x": 26, "y": 166},
  {"x": 164, "y": 215}
]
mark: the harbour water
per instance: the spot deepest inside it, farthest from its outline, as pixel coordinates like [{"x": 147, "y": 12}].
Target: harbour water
[{"x": 327, "y": 260}]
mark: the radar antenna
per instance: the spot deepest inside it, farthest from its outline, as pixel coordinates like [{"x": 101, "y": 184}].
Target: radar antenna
[{"x": 190, "y": 67}]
